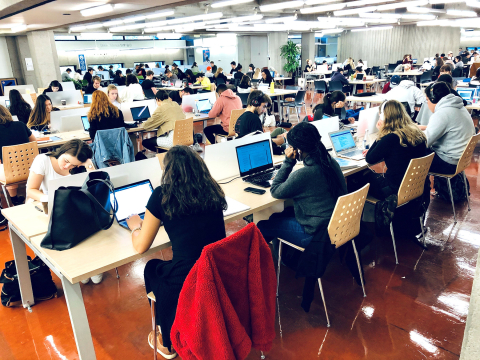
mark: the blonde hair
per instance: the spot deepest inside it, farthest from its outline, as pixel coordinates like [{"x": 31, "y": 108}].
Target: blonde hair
[
  {"x": 219, "y": 70},
  {"x": 399, "y": 123},
  {"x": 257, "y": 73},
  {"x": 113, "y": 87},
  {"x": 101, "y": 106},
  {"x": 5, "y": 115}
]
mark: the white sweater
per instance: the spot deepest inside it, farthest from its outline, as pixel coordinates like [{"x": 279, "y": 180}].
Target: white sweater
[{"x": 132, "y": 92}]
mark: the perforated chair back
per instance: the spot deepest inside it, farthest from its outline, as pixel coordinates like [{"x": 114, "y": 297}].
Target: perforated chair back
[
  {"x": 335, "y": 85},
  {"x": 233, "y": 121},
  {"x": 344, "y": 224},
  {"x": 17, "y": 160},
  {"x": 467, "y": 154},
  {"x": 413, "y": 182},
  {"x": 183, "y": 132}
]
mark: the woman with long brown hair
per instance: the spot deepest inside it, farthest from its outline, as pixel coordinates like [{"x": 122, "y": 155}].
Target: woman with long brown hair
[
  {"x": 220, "y": 75},
  {"x": 40, "y": 117},
  {"x": 190, "y": 204},
  {"x": 103, "y": 115}
]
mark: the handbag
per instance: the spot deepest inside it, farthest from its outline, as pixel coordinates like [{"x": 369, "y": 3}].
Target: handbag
[{"x": 79, "y": 212}]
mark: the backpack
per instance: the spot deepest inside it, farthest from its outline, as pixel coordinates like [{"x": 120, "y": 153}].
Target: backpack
[{"x": 458, "y": 188}]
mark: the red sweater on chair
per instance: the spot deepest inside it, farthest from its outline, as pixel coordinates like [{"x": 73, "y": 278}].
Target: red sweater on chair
[{"x": 227, "y": 303}]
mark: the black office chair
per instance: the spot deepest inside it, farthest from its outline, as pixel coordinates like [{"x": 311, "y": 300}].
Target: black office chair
[
  {"x": 334, "y": 86},
  {"x": 320, "y": 88},
  {"x": 297, "y": 103},
  {"x": 426, "y": 77},
  {"x": 244, "y": 97},
  {"x": 250, "y": 74},
  {"x": 220, "y": 81},
  {"x": 368, "y": 71},
  {"x": 149, "y": 94},
  {"x": 399, "y": 62},
  {"x": 457, "y": 72},
  {"x": 391, "y": 68},
  {"x": 375, "y": 70}
]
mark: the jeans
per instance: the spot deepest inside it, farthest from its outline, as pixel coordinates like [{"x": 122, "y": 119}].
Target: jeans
[
  {"x": 210, "y": 132},
  {"x": 442, "y": 167},
  {"x": 284, "y": 225}
]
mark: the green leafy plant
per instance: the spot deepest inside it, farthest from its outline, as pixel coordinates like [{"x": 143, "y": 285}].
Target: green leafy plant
[
  {"x": 78, "y": 85},
  {"x": 290, "y": 52}
]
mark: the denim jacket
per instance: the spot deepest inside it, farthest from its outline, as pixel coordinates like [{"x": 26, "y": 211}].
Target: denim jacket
[{"x": 113, "y": 144}]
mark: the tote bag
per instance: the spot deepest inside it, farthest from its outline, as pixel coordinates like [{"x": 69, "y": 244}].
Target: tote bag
[{"x": 79, "y": 212}]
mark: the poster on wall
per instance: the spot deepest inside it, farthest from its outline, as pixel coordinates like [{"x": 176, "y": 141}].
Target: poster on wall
[
  {"x": 29, "y": 64},
  {"x": 82, "y": 62},
  {"x": 7, "y": 82},
  {"x": 206, "y": 55}
]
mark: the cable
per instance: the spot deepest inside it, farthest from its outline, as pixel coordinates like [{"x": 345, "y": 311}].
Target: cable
[{"x": 229, "y": 180}]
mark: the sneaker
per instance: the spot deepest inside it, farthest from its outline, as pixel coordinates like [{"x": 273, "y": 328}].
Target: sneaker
[
  {"x": 196, "y": 147},
  {"x": 86, "y": 281},
  {"x": 97, "y": 278},
  {"x": 162, "y": 350}
]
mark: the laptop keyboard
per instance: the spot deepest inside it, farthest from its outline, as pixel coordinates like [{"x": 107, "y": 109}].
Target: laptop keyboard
[
  {"x": 261, "y": 178},
  {"x": 353, "y": 153}
]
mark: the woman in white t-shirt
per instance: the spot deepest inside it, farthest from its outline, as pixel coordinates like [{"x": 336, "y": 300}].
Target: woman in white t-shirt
[{"x": 133, "y": 91}]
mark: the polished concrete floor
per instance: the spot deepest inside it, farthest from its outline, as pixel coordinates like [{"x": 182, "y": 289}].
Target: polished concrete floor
[{"x": 414, "y": 310}]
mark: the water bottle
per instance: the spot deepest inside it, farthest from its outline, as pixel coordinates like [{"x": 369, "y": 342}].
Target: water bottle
[
  {"x": 195, "y": 109},
  {"x": 272, "y": 87},
  {"x": 365, "y": 140}
]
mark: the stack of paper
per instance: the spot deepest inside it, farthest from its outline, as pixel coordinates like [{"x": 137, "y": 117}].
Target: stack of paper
[{"x": 234, "y": 207}]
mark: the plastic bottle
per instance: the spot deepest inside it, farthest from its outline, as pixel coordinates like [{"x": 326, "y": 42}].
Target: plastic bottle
[
  {"x": 366, "y": 145},
  {"x": 195, "y": 109},
  {"x": 272, "y": 87}
]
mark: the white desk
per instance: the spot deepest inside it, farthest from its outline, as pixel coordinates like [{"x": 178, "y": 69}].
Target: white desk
[{"x": 374, "y": 99}]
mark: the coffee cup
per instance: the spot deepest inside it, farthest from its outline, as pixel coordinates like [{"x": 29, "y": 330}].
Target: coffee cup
[{"x": 64, "y": 102}]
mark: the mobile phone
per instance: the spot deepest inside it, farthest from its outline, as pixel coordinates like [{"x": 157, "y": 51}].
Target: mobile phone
[{"x": 255, "y": 190}]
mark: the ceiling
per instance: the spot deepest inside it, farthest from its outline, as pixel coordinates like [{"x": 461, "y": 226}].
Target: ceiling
[{"x": 332, "y": 17}]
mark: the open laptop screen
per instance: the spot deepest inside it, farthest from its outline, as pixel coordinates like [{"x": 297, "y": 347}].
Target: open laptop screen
[
  {"x": 132, "y": 199},
  {"x": 87, "y": 98},
  {"x": 86, "y": 123},
  {"x": 140, "y": 113},
  {"x": 254, "y": 157},
  {"x": 466, "y": 94},
  {"x": 342, "y": 140},
  {"x": 204, "y": 105}
]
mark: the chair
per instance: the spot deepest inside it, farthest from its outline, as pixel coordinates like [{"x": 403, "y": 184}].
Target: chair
[
  {"x": 463, "y": 163},
  {"x": 457, "y": 72},
  {"x": 297, "y": 103},
  {"x": 375, "y": 70},
  {"x": 220, "y": 81},
  {"x": 182, "y": 133},
  {"x": 426, "y": 77},
  {"x": 41, "y": 90},
  {"x": 231, "y": 126},
  {"x": 391, "y": 68},
  {"x": 17, "y": 160},
  {"x": 320, "y": 88},
  {"x": 344, "y": 226},
  {"x": 412, "y": 187},
  {"x": 335, "y": 85},
  {"x": 368, "y": 71},
  {"x": 244, "y": 97}
]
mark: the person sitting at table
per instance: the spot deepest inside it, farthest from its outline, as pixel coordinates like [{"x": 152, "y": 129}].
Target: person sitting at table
[
  {"x": 148, "y": 84},
  {"x": 174, "y": 95},
  {"x": 163, "y": 119},
  {"x": 112, "y": 93},
  {"x": 233, "y": 66},
  {"x": 103, "y": 115},
  {"x": 407, "y": 59},
  {"x": 94, "y": 85},
  {"x": 203, "y": 81},
  {"x": 445, "y": 137},
  {"x": 403, "y": 68},
  {"x": 133, "y": 91},
  {"x": 436, "y": 70},
  {"x": 349, "y": 64},
  {"x": 238, "y": 72},
  {"x": 359, "y": 70},
  {"x": 312, "y": 205},
  {"x": 12, "y": 133},
  {"x": 333, "y": 104},
  {"x": 53, "y": 87},
  {"x": 220, "y": 75},
  {"x": 338, "y": 76},
  {"x": 447, "y": 79},
  {"x": 244, "y": 86},
  {"x": 309, "y": 67},
  {"x": 458, "y": 63},
  {"x": 185, "y": 91},
  {"x": 405, "y": 91},
  {"x": 225, "y": 103},
  {"x": 170, "y": 76},
  {"x": 40, "y": 117},
  {"x": 18, "y": 106},
  {"x": 195, "y": 68},
  {"x": 474, "y": 81},
  {"x": 266, "y": 77},
  {"x": 249, "y": 122},
  {"x": 187, "y": 195},
  {"x": 119, "y": 79},
  {"x": 190, "y": 76},
  {"x": 88, "y": 75},
  {"x": 256, "y": 74},
  {"x": 446, "y": 70}
]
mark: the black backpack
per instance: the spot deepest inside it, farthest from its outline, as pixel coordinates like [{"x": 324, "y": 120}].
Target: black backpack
[{"x": 458, "y": 188}]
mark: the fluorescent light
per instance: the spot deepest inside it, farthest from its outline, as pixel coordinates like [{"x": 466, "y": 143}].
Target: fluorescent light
[
  {"x": 246, "y": 18},
  {"x": 326, "y": 32},
  {"x": 421, "y": 10},
  {"x": 467, "y": 13},
  {"x": 434, "y": 23},
  {"x": 373, "y": 28},
  {"x": 475, "y": 4},
  {"x": 283, "y": 19},
  {"x": 419, "y": 16},
  {"x": 282, "y": 5},
  {"x": 220, "y": 4},
  {"x": 209, "y": 16},
  {"x": 434, "y": 2},
  {"x": 18, "y": 28},
  {"x": 94, "y": 26},
  {"x": 379, "y": 20},
  {"x": 320, "y": 9},
  {"x": 160, "y": 14},
  {"x": 127, "y": 27},
  {"x": 355, "y": 11},
  {"x": 317, "y": 2},
  {"x": 112, "y": 23},
  {"x": 365, "y": 2},
  {"x": 346, "y": 21},
  {"x": 134, "y": 18},
  {"x": 169, "y": 36},
  {"x": 380, "y": 15},
  {"x": 95, "y": 36},
  {"x": 403, "y": 4},
  {"x": 78, "y": 28},
  {"x": 97, "y": 10}
]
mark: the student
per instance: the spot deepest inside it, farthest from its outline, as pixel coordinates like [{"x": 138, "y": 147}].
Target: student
[
  {"x": 40, "y": 117},
  {"x": 309, "y": 66},
  {"x": 313, "y": 202},
  {"x": 133, "y": 91},
  {"x": 238, "y": 73},
  {"x": 204, "y": 81},
  {"x": 185, "y": 91},
  {"x": 112, "y": 93},
  {"x": 148, "y": 84},
  {"x": 170, "y": 76},
  {"x": 110, "y": 71},
  {"x": 445, "y": 137},
  {"x": 94, "y": 85},
  {"x": 447, "y": 70},
  {"x": 447, "y": 79},
  {"x": 405, "y": 91},
  {"x": 438, "y": 65},
  {"x": 19, "y": 107},
  {"x": 141, "y": 71},
  {"x": 458, "y": 62},
  {"x": 475, "y": 79},
  {"x": 399, "y": 140},
  {"x": 53, "y": 87},
  {"x": 226, "y": 102},
  {"x": 128, "y": 71},
  {"x": 12, "y": 133},
  {"x": 190, "y": 76},
  {"x": 103, "y": 115},
  {"x": 220, "y": 75},
  {"x": 407, "y": 60},
  {"x": 450, "y": 55},
  {"x": 244, "y": 86},
  {"x": 249, "y": 121},
  {"x": 359, "y": 70},
  {"x": 88, "y": 75},
  {"x": 266, "y": 77},
  {"x": 66, "y": 75},
  {"x": 78, "y": 75},
  {"x": 100, "y": 68},
  {"x": 163, "y": 119},
  {"x": 251, "y": 68},
  {"x": 214, "y": 67},
  {"x": 187, "y": 195},
  {"x": 233, "y": 64},
  {"x": 176, "y": 71},
  {"x": 174, "y": 95},
  {"x": 348, "y": 64},
  {"x": 359, "y": 64},
  {"x": 332, "y": 105},
  {"x": 195, "y": 69},
  {"x": 403, "y": 68},
  {"x": 257, "y": 74},
  {"x": 119, "y": 79}
]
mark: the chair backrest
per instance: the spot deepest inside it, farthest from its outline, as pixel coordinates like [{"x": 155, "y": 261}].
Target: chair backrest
[
  {"x": 426, "y": 76},
  {"x": 220, "y": 81},
  {"x": 41, "y": 90},
  {"x": 17, "y": 160},
  {"x": 244, "y": 97},
  {"x": 344, "y": 224},
  {"x": 320, "y": 85},
  {"x": 335, "y": 85},
  {"x": 413, "y": 182},
  {"x": 233, "y": 120},
  {"x": 375, "y": 69},
  {"x": 300, "y": 97},
  {"x": 457, "y": 72},
  {"x": 391, "y": 67},
  {"x": 183, "y": 132},
  {"x": 466, "y": 157}
]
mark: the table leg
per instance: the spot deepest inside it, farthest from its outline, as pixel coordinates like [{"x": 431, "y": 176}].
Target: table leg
[
  {"x": 79, "y": 320},
  {"x": 23, "y": 272},
  {"x": 204, "y": 122},
  {"x": 280, "y": 110},
  {"x": 354, "y": 89}
]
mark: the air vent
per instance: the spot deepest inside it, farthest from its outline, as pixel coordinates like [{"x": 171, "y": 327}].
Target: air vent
[{"x": 438, "y": 6}]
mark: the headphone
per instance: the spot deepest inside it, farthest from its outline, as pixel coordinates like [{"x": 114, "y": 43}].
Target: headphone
[
  {"x": 255, "y": 102},
  {"x": 432, "y": 96}
]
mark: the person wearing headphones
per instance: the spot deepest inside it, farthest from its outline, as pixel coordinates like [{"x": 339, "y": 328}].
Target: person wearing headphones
[
  {"x": 249, "y": 121},
  {"x": 445, "y": 137}
]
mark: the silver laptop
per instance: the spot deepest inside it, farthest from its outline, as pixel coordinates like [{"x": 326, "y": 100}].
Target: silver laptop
[
  {"x": 70, "y": 123},
  {"x": 344, "y": 145}
]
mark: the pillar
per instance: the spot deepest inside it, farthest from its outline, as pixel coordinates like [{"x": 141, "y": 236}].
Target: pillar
[
  {"x": 275, "y": 41},
  {"x": 244, "y": 51},
  {"x": 308, "y": 48},
  {"x": 45, "y": 59}
]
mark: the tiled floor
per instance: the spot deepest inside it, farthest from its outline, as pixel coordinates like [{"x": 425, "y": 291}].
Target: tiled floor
[{"x": 414, "y": 310}]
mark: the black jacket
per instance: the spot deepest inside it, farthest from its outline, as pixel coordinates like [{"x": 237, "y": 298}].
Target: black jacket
[
  {"x": 106, "y": 123},
  {"x": 120, "y": 81},
  {"x": 88, "y": 77}
]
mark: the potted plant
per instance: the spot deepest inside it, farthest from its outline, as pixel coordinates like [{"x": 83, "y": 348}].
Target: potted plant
[{"x": 291, "y": 53}]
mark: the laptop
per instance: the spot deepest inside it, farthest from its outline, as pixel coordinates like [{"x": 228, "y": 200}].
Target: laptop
[
  {"x": 255, "y": 163},
  {"x": 367, "y": 120},
  {"x": 359, "y": 77},
  {"x": 87, "y": 98},
  {"x": 140, "y": 113},
  {"x": 325, "y": 126},
  {"x": 86, "y": 124},
  {"x": 178, "y": 83},
  {"x": 345, "y": 146},
  {"x": 414, "y": 61},
  {"x": 204, "y": 106},
  {"x": 467, "y": 94},
  {"x": 131, "y": 199}
]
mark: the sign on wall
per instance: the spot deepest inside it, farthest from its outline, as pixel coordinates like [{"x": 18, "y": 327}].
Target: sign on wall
[
  {"x": 29, "y": 64},
  {"x": 206, "y": 55},
  {"x": 82, "y": 62}
]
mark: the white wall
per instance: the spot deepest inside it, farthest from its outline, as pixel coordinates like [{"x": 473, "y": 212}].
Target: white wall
[
  {"x": 259, "y": 51},
  {"x": 5, "y": 65},
  {"x": 223, "y": 50}
]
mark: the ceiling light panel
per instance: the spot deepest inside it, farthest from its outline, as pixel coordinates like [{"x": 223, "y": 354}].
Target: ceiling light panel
[
  {"x": 325, "y": 8},
  {"x": 97, "y": 10},
  {"x": 282, "y": 5},
  {"x": 283, "y": 19},
  {"x": 475, "y": 4},
  {"x": 403, "y": 4},
  {"x": 355, "y": 11},
  {"x": 318, "y": 2},
  {"x": 466, "y": 13},
  {"x": 221, "y": 4},
  {"x": 380, "y": 15},
  {"x": 366, "y": 2},
  {"x": 373, "y": 28},
  {"x": 160, "y": 14},
  {"x": 134, "y": 19}
]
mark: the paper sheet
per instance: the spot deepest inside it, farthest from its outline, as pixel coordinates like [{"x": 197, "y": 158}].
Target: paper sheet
[{"x": 234, "y": 207}]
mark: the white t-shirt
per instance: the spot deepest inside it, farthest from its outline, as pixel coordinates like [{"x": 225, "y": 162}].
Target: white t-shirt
[
  {"x": 42, "y": 165},
  {"x": 132, "y": 92}
]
